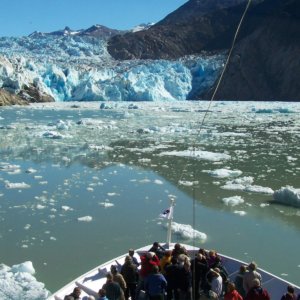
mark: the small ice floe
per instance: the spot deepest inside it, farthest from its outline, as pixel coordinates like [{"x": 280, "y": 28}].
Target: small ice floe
[
  {"x": 85, "y": 219},
  {"x": 112, "y": 194},
  {"x": 223, "y": 173},
  {"x": 146, "y": 180},
  {"x": 144, "y": 160},
  {"x": 106, "y": 204},
  {"x": 17, "y": 185},
  {"x": 18, "y": 282},
  {"x": 287, "y": 195},
  {"x": 27, "y": 226},
  {"x": 187, "y": 183},
  {"x": 52, "y": 238},
  {"x": 40, "y": 207},
  {"x": 198, "y": 154},
  {"x": 259, "y": 189},
  {"x": 52, "y": 135},
  {"x": 66, "y": 208},
  {"x": 10, "y": 169},
  {"x": 264, "y": 204},
  {"x": 187, "y": 231},
  {"x": 30, "y": 170},
  {"x": 233, "y": 201},
  {"x": 238, "y": 184},
  {"x": 240, "y": 212},
  {"x": 159, "y": 182}
]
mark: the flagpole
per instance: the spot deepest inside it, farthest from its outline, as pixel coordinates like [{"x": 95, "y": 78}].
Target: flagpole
[{"x": 169, "y": 234}]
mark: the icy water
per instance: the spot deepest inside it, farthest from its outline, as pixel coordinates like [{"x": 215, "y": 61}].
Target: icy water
[{"x": 80, "y": 185}]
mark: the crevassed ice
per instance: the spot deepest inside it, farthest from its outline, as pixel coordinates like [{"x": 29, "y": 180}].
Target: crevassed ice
[
  {"x": 18, "y": 282},
  {"x": 80, "y": 68}
]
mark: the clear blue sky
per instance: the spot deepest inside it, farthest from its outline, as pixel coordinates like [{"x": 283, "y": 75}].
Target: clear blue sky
[{"x": 22, "y": 17}]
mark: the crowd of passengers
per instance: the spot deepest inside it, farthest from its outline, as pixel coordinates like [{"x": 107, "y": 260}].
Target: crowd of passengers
[{"x": 172, "y": 275}]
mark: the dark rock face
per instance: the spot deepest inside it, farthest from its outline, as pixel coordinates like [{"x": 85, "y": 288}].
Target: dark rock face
[
  {"x": 7, "y": 98},
  {"x": 265, "y": 64},
  {"x": 32, "y": 94},
  {"x": 25, "y": 96}
]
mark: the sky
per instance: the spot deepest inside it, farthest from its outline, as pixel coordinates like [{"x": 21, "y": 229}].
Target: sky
[{"x": 22, "y": 17}]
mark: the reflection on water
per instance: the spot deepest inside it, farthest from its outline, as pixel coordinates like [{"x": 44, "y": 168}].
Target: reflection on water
[{"x": 117, "y": 157}]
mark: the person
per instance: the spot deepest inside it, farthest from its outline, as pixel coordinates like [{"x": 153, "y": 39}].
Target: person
[
  {"x": 178, "y": 249},
  {"x": 199, "y": 268},
  {"x": 155, "y": 285},
  {"x": 117, "y": 277},
  {"x": 129, "y": 272},
  {"x": 290, "y": 294},
  {"x": 184, "y": 280},
  {"x": 256, "y": 292},
  {"x": 102, "y": 295},
  {"x": 134, "y": 259},
  {"x": 112, "y": 289},
  {"x": 164, "y": 261},
  {"x": 250, "y": 276},
  {"x": 232, "y": 293},
  {"x": 216, "y": 283},
  {"x": 148, "y": 260},
  {"x": 75, "y": 295},
  {"x": 157, "y": 249},
  {"x": 239, "y": 281},
  {"x": 172, "y": 279}
]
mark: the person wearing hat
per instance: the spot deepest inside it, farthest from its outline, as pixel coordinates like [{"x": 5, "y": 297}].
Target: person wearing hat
[{"x": 250, "y": 276}]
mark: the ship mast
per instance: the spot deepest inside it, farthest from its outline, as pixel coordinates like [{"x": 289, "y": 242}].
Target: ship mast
[{"x": 170, "y": 219}]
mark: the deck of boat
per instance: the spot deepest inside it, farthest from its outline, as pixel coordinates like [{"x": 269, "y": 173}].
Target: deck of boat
[{"x": 93, "y": 280}]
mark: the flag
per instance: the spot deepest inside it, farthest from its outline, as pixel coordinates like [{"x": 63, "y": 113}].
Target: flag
[{"x": 167, "y": 213}]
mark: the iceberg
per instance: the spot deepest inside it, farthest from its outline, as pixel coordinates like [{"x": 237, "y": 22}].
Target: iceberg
[
  {"x": 287, "y": 195},
  {"x": 18, "y": 282}
]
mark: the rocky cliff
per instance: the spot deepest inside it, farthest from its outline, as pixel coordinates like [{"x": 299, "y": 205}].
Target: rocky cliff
[{"x": 264, "y": 65}]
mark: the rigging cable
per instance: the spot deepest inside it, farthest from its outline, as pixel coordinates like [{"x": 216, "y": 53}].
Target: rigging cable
[{"x": 203, "y": 122}]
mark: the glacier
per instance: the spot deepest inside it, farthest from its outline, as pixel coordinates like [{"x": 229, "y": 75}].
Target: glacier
[{"x": 79, "y": 68}]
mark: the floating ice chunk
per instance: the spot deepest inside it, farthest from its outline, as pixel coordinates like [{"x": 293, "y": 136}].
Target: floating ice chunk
[
  {"x": 25, "y": 267},
  {"x": 240, "y": 212},
  {"x": 198, "y": 154},
  {"x": 187, "y": 183},
  {"x": 62, "y": 125},
  {"x": 223, "y": 173},
  {"x": 187, "y": 231},
  {"x": 17, "y": 185},
  {"x": 259, "y": 189},
  {"x": 52, "y": 135},
  {"x": 66, "y": 208},
  {"x": 157, "y": 181},
  {"x": 238, "y": 184},
  {"x": 18, "y": 282},
  {"x": 27, "y": 226},
  {"x": 85, "y": 219},
  {"x": 233, "y": 201},
  {"x": 39, "y": 206},
  {"x": 288, "y": 195},
  {"x": 31, "y": 170},
  {"x": 106, "y": 204}
]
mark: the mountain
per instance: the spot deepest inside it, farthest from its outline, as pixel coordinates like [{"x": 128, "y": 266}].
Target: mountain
[
  {"x": 69, "y": 65},
  {"x": 264, "y": 64},
  {"x": 179, "y": 58}
]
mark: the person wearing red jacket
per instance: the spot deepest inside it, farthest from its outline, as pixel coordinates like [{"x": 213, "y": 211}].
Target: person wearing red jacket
[{"x": 232, "y": 293}]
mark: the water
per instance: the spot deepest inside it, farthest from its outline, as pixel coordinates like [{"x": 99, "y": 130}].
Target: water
[{"x": 127, "y": 158}]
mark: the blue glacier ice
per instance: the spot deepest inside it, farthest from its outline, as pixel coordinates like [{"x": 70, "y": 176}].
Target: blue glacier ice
[{"x": 73, "y": 67}]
